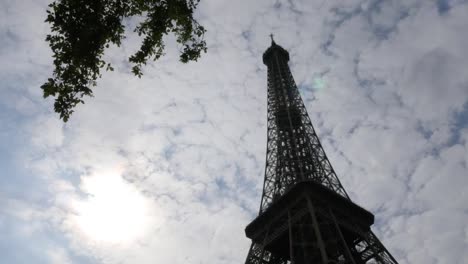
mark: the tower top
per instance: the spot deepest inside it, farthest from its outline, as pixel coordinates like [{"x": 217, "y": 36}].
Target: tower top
[
  {"x": 273, "y": 51},
  {"x": 272, "y": 40}
]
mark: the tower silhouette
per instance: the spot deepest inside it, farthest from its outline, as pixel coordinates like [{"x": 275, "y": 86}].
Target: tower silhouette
[{"x": 306, "y": 216}]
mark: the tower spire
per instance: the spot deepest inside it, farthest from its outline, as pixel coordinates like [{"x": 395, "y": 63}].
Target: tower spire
[
  {"x": 305, "y": 214},
  {"x": 272, "y": 40}
]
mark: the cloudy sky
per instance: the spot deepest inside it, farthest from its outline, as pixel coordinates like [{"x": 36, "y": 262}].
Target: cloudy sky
[{"x": 168, "y": 168}]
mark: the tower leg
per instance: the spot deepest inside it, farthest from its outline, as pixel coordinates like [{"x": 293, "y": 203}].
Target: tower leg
[
  {"x": 258, "y": 255},
  {"x": 290, "y": 231},
  {"x": 306, "y": 227},
  {"x": 349, "y": 256},
  {"x": 318, "y": 234}
]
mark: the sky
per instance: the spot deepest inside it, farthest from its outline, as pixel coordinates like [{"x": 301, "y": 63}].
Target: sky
[{"x": 169, "y": 168}]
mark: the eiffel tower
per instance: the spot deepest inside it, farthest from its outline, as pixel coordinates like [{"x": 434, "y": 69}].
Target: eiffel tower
[{"x": 306, "y": 216}]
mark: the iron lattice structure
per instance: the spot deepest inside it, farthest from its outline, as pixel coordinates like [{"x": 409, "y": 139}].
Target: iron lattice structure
[{"x": 305, "y": 215}]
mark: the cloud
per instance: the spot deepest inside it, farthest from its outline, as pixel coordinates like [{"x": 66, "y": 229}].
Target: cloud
[{"x": 58, "y": 256}]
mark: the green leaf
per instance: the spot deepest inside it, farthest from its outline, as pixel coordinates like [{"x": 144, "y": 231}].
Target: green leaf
[{"x": 81, "y": 30}]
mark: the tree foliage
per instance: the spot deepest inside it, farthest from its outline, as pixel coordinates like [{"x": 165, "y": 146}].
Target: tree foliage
[{"x": 82, "y": 29}]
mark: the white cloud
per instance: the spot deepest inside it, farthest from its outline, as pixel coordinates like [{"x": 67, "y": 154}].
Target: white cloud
[{"x": 58, "y": 256}]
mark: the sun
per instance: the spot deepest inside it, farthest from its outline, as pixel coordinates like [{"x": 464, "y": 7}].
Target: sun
[{"x": 113, "y": 211}]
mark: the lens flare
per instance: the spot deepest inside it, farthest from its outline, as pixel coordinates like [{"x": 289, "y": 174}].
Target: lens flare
[{"x": 318, "y": 83}]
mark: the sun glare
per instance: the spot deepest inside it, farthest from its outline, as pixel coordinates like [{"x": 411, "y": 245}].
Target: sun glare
[{"x": 114, "y": 211}]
